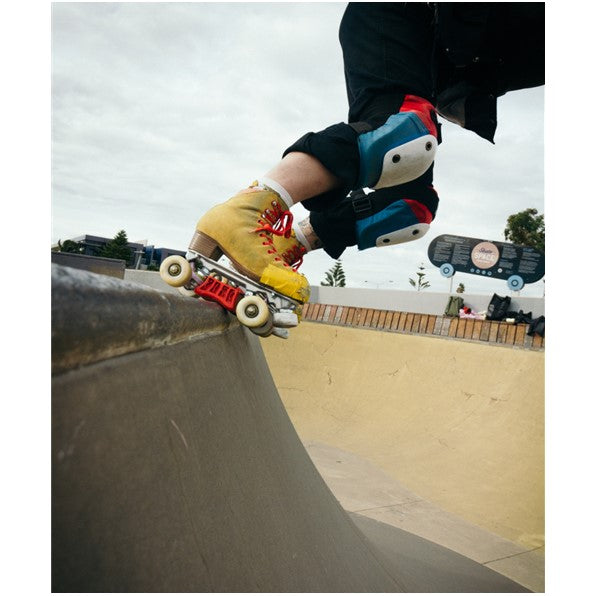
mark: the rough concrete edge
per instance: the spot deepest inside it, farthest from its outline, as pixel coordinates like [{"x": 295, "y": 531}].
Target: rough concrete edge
[{"x": 96, "y": 317}]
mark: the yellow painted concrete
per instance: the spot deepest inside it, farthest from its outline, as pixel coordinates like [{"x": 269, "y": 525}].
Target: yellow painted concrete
[{"x": 459, "y": 423}]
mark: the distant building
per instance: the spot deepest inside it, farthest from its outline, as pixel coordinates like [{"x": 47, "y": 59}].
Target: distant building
[
  {"x": 143, "y": 255},
  {"x": 155, "y": 256}
]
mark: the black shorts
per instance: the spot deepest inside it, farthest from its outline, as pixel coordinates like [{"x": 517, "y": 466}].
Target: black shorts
[{"x": 391, "y": 50}]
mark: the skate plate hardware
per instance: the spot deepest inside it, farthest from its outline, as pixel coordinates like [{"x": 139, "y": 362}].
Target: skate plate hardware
[
  {"x": 204, "y": 267},
  {"x": 214, "y": 289},
  {"x": 260, "y": 308}
]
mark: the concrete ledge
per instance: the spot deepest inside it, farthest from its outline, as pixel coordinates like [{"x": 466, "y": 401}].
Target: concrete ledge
[
  {"x": 95, "y": 317},
  {"x": 102, "y": 265}
]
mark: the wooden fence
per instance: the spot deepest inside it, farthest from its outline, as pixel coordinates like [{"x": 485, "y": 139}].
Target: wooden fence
[{"x": 492, "y": 332}]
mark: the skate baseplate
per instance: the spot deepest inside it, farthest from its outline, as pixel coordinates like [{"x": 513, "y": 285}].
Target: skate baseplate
[{"x": 260, "y": 308}]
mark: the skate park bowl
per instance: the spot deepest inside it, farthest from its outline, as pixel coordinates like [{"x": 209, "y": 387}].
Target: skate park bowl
[
  {"x": 176, "y": 468},
  {"x": 440, "y": 437}
]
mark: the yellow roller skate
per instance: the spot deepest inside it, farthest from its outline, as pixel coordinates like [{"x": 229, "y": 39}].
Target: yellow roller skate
[
  {"x": 290, "y": 249},
  {"x": 262, "y": 289}
]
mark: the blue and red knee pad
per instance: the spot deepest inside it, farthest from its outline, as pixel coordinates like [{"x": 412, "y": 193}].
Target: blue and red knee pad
[
  {"x": 385, "y": 164},
  {"x": 402, "y": 220},
  {"x": 383, "y": 217},
  {"x": 400, "y": 150}
]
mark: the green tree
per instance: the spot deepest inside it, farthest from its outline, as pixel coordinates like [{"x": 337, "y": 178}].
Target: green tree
[
  {"x": 70, "y": 246},
  {"x": 526, "y": 228},
  {"x": 335, "y": 276},
  {"x": 117, "y": 248},
  {"x": 420, "y": 284}
]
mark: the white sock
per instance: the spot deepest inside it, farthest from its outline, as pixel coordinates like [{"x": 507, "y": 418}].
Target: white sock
[{"x": 279, "y": 189}]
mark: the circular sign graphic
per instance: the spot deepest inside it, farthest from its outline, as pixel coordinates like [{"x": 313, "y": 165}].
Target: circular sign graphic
[
  {"x": 515, "y": 282},
  {"x": 447, "y": 270},
  {"x": 485, "y": 255}
]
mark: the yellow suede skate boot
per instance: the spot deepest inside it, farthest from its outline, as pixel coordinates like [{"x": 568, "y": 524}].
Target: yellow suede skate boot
[
  {"x": 290, "y": 249},
  {"x": 241, "y": 229}
]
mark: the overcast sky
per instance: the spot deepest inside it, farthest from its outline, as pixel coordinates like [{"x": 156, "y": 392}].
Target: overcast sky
[{"x": 161, "y": 110}]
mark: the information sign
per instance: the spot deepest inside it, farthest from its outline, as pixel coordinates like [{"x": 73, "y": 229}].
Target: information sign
[{"x": 519, "y": 265}]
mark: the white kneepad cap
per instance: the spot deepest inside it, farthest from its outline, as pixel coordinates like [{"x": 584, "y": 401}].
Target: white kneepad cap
[
  {"x": 408, "y": 161},
  {"x": 404, "y": 235}
]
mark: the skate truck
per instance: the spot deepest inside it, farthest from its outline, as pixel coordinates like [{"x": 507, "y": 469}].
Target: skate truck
[{"x": 263, "y": 310}]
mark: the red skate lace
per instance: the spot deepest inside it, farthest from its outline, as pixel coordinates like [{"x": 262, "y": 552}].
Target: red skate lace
[
  {"x": 278, "y": 221},
  {"x": 294, "y": 256},
  {"x": 274, "y": 221},
  {"x": 268, "y": 241}
]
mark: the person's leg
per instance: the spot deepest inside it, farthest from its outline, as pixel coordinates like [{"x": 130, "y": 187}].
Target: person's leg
[
  {"x": 390, "y": 139},
  {"x": 303, "y": 176}
]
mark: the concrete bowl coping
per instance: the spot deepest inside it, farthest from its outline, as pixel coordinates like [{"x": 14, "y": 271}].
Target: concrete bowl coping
[{"x": 96, "y": 317}]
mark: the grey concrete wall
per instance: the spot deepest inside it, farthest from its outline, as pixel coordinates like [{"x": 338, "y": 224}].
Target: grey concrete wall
[
  {"x": 112, "y": 267},
  {"x": 150, "y": 279},
  {"x": 429, "y": 303}
]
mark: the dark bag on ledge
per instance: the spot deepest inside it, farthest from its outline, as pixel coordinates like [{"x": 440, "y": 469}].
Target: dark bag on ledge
[
  {"x": 537, "y": 326},
  {"x": 498, "y": 308}
]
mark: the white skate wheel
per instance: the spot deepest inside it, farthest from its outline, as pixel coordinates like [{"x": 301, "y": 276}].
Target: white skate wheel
[
  {"x": 186, "y": 292},
  {"x": 175, "y": 271},
  {"x": 264, "y": 330},
  {"x": 253, "y": 312}
]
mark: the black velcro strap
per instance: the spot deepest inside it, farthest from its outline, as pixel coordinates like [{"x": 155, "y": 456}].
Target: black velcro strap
[
  {"x": 360, "y": 202},
  {"x": 360, "y": 127}
]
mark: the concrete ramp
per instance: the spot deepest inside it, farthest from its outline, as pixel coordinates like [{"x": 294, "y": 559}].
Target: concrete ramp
[{"x": 175, "y": 467}]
